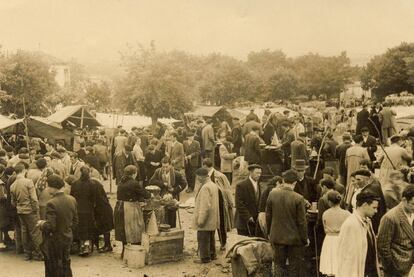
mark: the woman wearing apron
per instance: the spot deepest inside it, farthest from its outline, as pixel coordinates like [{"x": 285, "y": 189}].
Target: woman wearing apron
[{"x": 128, "y": 216}]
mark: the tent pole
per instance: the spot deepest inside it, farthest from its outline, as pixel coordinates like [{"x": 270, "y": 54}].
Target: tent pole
[
  {"x": 25, "y": 125},
  {"x": 83, "y": 114}
]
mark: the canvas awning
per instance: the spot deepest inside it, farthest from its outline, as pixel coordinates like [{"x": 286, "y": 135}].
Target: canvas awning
[
  {"x": 77, "y": 116},
  {"x": 208, "y": 111},
  {"x": 37, "y": 127}
]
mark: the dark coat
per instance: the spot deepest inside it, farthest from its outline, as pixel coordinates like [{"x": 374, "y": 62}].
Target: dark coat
[
  {"x": 103, "y": 210},
  {"x": 178, "y": 182},
  {"x": 131, "y": 190},
  {"x": 252, "y": 149},
  {"x": 247, "y": 204},
  {"x": 341, "y": 156},
  {"x": 84, "y": 193},
  {"x": 286, "y": 217},
  {"x": 194, "y": 151},
  {"x": 61, "y": 219},
  {"x": 309, "y": 189},
  {"x": 371, "y": 146},
  {"x": 396, "y": 242},
  {"x": 237, "y": 136},
  {"x": 268, "y": 133},
  {"x": 298, "y": 151},
  {"x": 362, "y": 120},
  {"x": 152, "y": 157}
]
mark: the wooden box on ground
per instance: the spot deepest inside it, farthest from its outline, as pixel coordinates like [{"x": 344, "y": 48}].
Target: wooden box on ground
[{"x": 164, "y": 247}]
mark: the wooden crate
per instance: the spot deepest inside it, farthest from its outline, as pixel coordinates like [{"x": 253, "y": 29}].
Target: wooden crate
[{"x": 164, "y": 247}]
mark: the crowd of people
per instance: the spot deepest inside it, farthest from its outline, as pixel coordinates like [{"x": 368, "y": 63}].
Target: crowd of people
[{"x": 322, "y": 207}]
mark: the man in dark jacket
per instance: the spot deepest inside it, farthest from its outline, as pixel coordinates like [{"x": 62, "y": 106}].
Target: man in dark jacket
[
  {"x": 61, "y": 219},
  {"x": 362, "y": 119},
  {"x": 252, "y": 146},
  {"x": 286, "y": 217},
  {"x": 268, "y": 131},
  {"x": 192, "y": 154},
  {"x": 396, "y": 237},
  {"x": 341, "y": 156},
  {"x": 237, "y": 135},
  {"x": 170, "y": 181},
  {"x": 247, "y": 202},
  {"x": 370, "y": 143}
]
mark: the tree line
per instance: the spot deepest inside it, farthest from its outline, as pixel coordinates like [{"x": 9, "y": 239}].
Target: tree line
[{"x": 167, "y": 83}]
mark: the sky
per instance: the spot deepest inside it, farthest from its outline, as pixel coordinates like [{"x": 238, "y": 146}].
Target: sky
[{"x": 96, "y": 30}]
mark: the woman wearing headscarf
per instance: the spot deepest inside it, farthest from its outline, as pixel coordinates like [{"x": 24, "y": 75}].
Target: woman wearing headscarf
[
  {"x": 83, "y": 191},
  {"x": 128, "y": 216}
]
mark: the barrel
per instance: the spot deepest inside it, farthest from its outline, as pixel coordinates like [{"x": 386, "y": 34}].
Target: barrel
[{"x": 134, "y": 256}]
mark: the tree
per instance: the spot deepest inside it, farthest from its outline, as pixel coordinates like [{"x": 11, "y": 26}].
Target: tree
[
  {"x": 283, "y": 84},
  {"x": 391, "y": 72},
  {"x": 99, "y": 96},
  {"x": 156, "y": 84},
  {"x": 226, "y": 81},
  {"x": 320, "y": 75},
  {"x": 25, "y": 76}
]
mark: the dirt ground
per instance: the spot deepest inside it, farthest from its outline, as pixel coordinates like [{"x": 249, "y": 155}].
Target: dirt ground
[{"x": 110, "y": 264}]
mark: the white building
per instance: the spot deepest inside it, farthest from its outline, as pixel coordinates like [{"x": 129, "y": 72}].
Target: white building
[{"x": 62, "y": 74}]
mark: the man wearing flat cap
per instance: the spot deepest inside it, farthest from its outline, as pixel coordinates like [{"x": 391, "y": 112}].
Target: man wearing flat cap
[
  {"x": 247, "y": 203},
  {"x": 206, "y": 216},
  {"x": 364, "y": 183},
  {"x": 61, "y": 219},
  {"x": 394, "y": 158}
]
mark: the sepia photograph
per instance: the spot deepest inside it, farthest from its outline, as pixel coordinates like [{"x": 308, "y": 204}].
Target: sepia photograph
[{"x": 196, "y": 138}]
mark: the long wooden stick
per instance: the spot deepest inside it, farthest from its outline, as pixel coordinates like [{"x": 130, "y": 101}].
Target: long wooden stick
[
  {"x": 380, "y": 143},
  {"x": 319, "y": 155}
]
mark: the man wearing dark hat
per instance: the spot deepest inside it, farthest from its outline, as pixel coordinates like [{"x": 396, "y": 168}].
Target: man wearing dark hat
[
  {"x": 206, "y": 216},
  {"x": 61, "y": 219},
  {"x": 306, "y": 186},
  {"x": 369, "y": 142},
  {"x": 286, "y": 217},
  {"x": 237, "y": 136},
  {"x": 247, "y": 202},
  {"x": 192, "y": 154}
]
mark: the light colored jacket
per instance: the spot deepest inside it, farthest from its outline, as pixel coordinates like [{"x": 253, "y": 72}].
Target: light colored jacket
[
  {"x": 226, "y": 158},
  {"x": 206, "y": 210},
  {"x": 23, "y": 196},
  {"x": 352, "y": 247},
  {"x": 207, "y": 136}
]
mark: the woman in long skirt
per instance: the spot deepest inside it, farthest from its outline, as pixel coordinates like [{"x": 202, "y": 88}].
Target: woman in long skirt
[
  {"x": 332, "y": 221},
  {"x": 84, "y": 193},
  {"x": 128, "y": 216}
]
